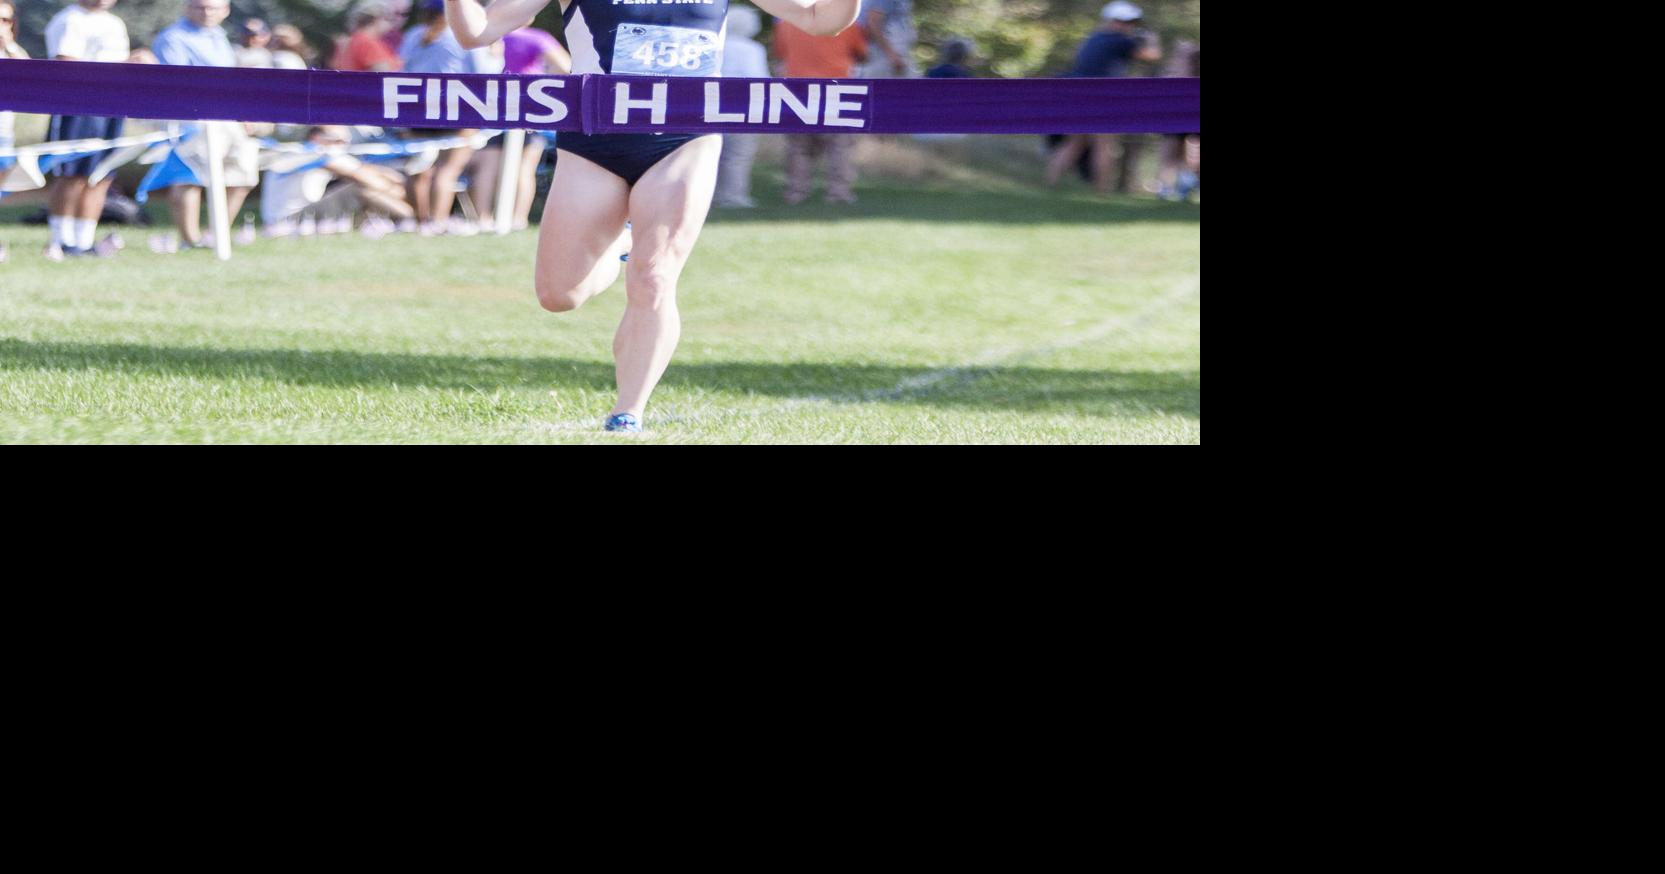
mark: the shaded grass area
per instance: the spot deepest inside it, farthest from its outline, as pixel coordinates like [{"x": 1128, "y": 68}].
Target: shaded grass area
[{"x": 1027, "y": 388}]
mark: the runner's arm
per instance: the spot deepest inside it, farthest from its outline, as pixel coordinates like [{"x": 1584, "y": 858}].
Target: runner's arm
[
  {"x": 558, "y": 60},
  {"x": 818, "y": 17},
  {"x": 476, "y": 26}
]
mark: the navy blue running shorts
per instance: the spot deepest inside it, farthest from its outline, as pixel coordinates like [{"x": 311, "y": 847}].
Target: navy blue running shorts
[
  {"x": 627, "y": 156},
  {"x": 83, "y": 127}
]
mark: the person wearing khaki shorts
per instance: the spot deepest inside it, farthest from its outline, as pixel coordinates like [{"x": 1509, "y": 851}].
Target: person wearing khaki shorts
[
  {"x": 199, "y": 40},
  {"x": 806, "y": 56},
  {"x": 240, "y": 158}
]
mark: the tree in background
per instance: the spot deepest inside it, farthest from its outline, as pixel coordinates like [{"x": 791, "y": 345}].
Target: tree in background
[{"x": 1023, "y": 38}]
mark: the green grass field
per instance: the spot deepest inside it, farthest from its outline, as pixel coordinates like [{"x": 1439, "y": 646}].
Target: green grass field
[{"x": 962, "y": 308}]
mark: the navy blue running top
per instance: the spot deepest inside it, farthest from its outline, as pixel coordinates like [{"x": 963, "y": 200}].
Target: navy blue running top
[{"x": 647, "y": 37}]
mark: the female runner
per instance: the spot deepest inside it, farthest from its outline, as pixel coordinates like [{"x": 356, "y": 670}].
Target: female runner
[{"x": 661, "y": 183}]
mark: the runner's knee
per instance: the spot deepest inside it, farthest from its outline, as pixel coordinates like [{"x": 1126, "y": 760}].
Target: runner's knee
[
  {"x": 650, "y": 286},
  {"x": 558, "y": 297}
]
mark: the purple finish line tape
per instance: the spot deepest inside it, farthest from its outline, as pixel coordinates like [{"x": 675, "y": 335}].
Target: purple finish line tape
[{"x": 606, "y": 104}]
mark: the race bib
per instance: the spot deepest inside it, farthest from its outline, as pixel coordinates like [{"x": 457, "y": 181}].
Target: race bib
[{"x": 657, "y": 50}]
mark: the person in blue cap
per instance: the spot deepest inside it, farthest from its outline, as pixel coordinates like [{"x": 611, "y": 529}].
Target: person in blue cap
[{"x": 1107, "y": 53}]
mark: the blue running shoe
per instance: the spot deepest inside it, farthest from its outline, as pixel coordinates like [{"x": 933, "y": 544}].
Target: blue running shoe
[{"x": 623, "y": 423}]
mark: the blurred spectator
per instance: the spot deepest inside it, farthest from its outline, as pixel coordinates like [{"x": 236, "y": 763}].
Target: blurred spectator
[
  {"x": 1181, "y": 172},
  {"x": 533, "y": 52},
  {"x": 1118, "y": 41},
  {"x": 366, "y": 49},
  {"x": 289, "y": 49},
  {"x": 744, "y": 58},
  {"x": 952, "y": 60},
  {"x": 430, "y": 47},
  {"x": 296, "y": 185},
  {"x": 819, "y": 57},
  {"x": 398, "y": 16},
  {"x": 1106, "y": 54},
  {"x": 890, "y": 28},
  {"x": 8, "y": 33},
  {"x": 9, "y": 49},
  {"x": 86, "y": 31},
  {"x": 254, "y": 41},
  {"x": 198, "y": 40},
  {"x": 526, "y": 52}
]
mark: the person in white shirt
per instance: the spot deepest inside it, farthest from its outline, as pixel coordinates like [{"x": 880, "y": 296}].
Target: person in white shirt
[
  {"x": 86, "y": 31},
  {"x": 8, "y": 33},
  {"x": 745, "y": 58},
  {"x": 295, "y": 184},
  {"x": 8, "y": 49}
]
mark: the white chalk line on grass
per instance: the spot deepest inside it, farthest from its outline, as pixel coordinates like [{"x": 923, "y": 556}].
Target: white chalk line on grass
[
  {"x": 980, "y": 367},
  {"x": 985, "y": 364}
]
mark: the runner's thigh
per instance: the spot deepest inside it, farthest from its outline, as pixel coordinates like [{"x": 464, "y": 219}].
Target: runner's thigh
[
  {"x": 668, "y": 207},
  {"x": 583, "y": 218}
]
